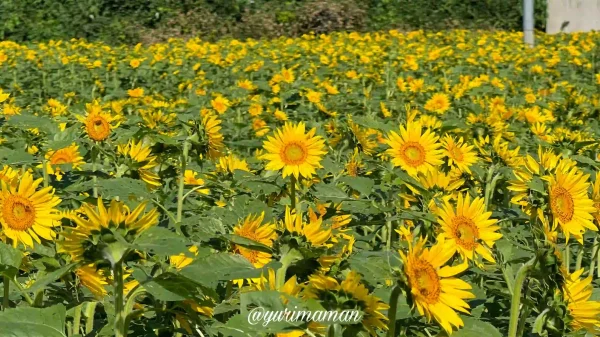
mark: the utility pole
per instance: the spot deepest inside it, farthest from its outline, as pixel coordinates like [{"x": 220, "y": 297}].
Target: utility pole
[{"x": 528, "y": 36}]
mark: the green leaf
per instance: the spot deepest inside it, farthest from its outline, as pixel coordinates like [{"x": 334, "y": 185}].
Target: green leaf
[
  {"x": 476, "y": 328},
  {"x": 25, "y": 121},
  {"x": 10, "y": 260},
  {"x": 160, "y": 241},
  {"x": 361, "y": 184},
  {"x": 376, "y": 266},
  {"x": 238, "y": 326},
  {"x": 50, "y": 277},
  {"x": 584, "y": 160},
  {"x": 170, "y": 287},
  {"x": 536, "y": 184},
  {"x": 325, "y": 192},
  {"x": 245, "y": 242},
  {"x": 219, "y": 267},
  {"x": 14, "y": 157},
  {"x": 123, "y": 188},
  {"x": 33, "y": 322}
]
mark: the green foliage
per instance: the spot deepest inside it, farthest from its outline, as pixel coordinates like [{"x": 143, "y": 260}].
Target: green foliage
[{"x": 135, "y": 21}]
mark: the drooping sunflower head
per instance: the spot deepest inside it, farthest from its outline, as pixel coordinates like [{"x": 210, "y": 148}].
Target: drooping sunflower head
[
  {"x": 252, "y": 228},
  {"x": 230, "y": 163},
  {"x": 141, "y": 156},
  {"x": 97, "y": 226},
  {"x": 26, "y": 212},
  {"x": 469, "y": 227},
  {"x": 459, "y": 154},
  {"x": 351, "y": 293},
  {"x": 313, "y": 232},
  {"x": 413, "y": 150},
  {"x": 295, "y": 151},
  {"x": 571, "y": 207},
  {"x": 94, "y": 279},
  {"x": 182, "y": 260},
  {"x": 365, "y": 138},
  {"x": 434, "y": 290},
  {"x": 214, "y": 138},
  {"x": 577, "y": 293},
  {"x": 7, "y": 174}
]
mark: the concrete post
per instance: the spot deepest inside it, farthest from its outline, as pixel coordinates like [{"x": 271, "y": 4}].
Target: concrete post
[{"x": 528, "y": 36}]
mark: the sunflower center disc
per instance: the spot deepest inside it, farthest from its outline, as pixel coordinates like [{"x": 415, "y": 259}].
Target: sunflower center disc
[
  {"x": 294, "y": 153},
  {"x": 414, "y": 153},
  {"x": 562, "y": 204},
  {"x": 427, "y": 281},
  {"x": 18, "y": 212},
  {"x": 466, "y": 232}
]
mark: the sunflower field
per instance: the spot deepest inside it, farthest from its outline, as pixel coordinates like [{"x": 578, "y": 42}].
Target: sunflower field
[{"x": 439, "y": 183}]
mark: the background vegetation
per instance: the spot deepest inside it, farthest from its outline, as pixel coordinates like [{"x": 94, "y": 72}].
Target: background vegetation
[{"x": 132, "y": 21}]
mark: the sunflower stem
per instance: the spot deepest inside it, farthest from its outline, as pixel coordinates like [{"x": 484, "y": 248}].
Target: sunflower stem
[
  {"x": 593, "y": 256},
  {"x": 118, "y": 294},
  {"x": 90, "y": 311},
  {"x": 567, "y": 257},
  {"x": 129, "y": 306},
  {"x": 579, "y": 258},
  {"x": 77, "y": 319},
  {"x": 515, "y": 306},
  {"x": 184, "y": 157},
  {"x": 23, "y": 292},
  {"x": 45, "y": 172},
  {"x": 94, "y": 177},
  {"x": 293, "y": 191},
  {"x": 6, "y": 286},
  {"x": 392, "y": 310}
]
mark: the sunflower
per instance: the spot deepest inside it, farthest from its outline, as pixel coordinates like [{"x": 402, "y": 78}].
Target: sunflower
[
  {"x": 220, "y": 104},
  {"x": 571, "y": 207},
  {"x": 97, "y": 124},
  {"x": 366, "y": 138},
  {"x": 182, "y": 260},
  {"x": 548, "y": 162},
  {"x": 68, "y": 155},
  {"x": 296, "y": 152},
  {"x": 313, "y": 231},
  {"x": 214, "y": 138},
  {"x": 438, "y": 103},
  {"x": 26, "y": 213},
  {"x": 142, "y": 155},
  {"x": 413, "y": 150},
  {"x": 350, "y": 293},
  {"x": 94, "y": 279},
  {"x": 468, "y": 226},
  {"x": 189, "y": 178},
  {"x": 434, "y": 291},
  {"x": 459, "y": 154},
  {"x": 443, "y": 187},
  {"x": 596, "y": 197},
  {"x": 231, "y": 163},
  {"x": 585, "y": 313},
  {"x": 7, "y": 174},
  {"x": 252, "y": 228},
  {"x": 82, "y": 241}
]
